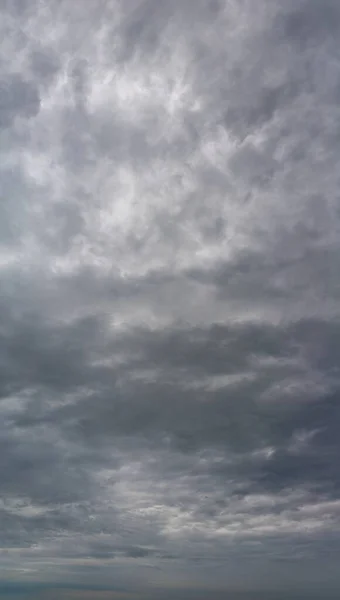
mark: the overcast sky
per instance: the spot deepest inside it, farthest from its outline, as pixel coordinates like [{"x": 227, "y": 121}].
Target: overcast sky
[{"x": 169, "y": 299}]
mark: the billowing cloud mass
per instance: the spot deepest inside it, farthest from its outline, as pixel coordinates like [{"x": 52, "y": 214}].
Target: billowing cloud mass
[{"x": 169, "y": 306}]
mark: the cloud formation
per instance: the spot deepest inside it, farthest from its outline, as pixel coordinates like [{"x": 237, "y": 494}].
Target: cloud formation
[{"x": 169, "y": 307}]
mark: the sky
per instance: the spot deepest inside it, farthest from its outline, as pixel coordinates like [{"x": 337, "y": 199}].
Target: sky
[{"x": 169, "y": 299}]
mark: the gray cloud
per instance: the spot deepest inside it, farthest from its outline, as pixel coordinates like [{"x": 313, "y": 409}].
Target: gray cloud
[
  {"x": 169, "y": 306},
  {"x": 18, "y": 97}
]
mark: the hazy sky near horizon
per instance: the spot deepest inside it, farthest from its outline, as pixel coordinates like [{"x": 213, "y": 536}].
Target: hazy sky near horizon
[{"x": 169, "y": 299}]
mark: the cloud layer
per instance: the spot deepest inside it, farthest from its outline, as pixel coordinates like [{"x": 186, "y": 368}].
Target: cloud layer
[{"x": 169, "y": 308}]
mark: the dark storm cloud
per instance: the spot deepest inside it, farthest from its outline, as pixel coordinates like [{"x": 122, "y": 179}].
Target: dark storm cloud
[{"x": 169, "y": 306}]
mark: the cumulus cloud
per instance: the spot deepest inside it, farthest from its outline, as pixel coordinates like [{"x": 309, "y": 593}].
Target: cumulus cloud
[{"x": 169, "y": 308}]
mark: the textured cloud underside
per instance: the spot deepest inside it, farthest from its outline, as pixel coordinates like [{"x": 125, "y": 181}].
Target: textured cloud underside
[{"x": 169, "y": 307}]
